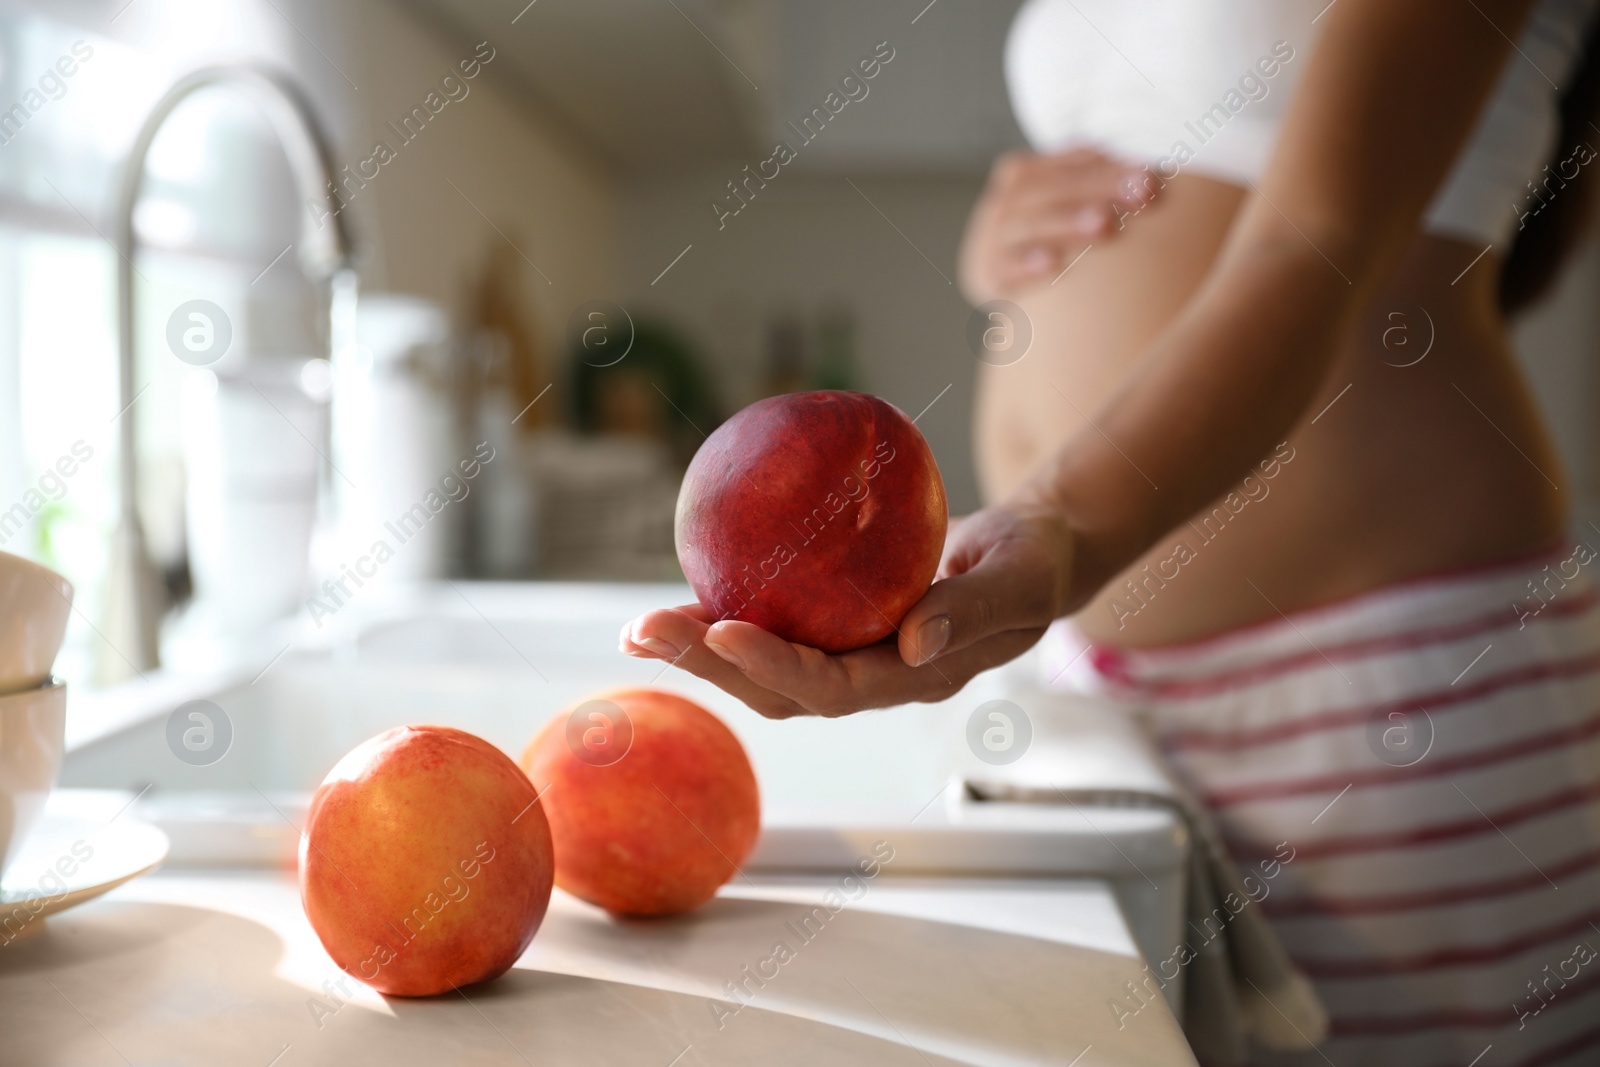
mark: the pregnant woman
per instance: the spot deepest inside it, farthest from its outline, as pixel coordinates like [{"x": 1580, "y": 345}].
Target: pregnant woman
[{"x": 1270, "y": 451}]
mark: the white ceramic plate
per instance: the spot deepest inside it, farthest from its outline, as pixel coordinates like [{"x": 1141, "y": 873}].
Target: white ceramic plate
[{"x": 86, "y": 843}]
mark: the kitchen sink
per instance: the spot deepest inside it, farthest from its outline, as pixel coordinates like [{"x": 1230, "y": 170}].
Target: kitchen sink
[{"x": 498, "y": 659}]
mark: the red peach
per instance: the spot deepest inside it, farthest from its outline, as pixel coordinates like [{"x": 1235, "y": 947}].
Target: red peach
[
  {"x": 817, "y": 516},
  {"x": 652, "y": 801},
  {"x": 426, "y": 861}
]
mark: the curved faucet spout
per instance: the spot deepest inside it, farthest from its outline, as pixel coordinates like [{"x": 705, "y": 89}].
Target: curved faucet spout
[{"x": 325, "y": 250}]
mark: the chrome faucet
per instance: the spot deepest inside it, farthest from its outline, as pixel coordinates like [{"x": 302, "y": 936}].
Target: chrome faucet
[{"x": 134, "y": 594}]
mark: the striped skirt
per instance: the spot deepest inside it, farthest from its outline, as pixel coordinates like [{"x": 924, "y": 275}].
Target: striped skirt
[{"x": 1431, "y": 753}]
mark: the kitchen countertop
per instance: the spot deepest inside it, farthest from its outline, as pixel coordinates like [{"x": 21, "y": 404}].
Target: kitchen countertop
[
  {"x": 1003, "y": 933},
  {"x": 220, "y": 967}
]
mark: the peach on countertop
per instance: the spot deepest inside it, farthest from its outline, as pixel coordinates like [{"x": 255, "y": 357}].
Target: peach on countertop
[
  {"x": 655, "y": 824},
  {"x": 426, "y": 862}
]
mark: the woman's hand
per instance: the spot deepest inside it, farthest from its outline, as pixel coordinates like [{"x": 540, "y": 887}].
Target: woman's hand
[
  {"x": 1039, "y": 211},
  {"x": 1005, "y": 576}
]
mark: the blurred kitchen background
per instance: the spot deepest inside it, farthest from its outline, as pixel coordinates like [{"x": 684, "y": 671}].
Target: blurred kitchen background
[{"x": 563, "y": 199}]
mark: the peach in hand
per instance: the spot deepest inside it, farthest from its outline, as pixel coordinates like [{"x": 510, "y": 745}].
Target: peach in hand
[{"x": 819, "y": 517}]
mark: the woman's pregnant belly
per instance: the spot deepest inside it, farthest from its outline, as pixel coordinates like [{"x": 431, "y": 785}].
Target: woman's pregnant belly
[{"x": 1418, "y": 468}]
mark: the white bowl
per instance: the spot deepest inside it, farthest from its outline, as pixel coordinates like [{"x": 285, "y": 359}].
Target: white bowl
[
  {"x": 34, "y": 604},
  {"x": 32, "y": 739}
]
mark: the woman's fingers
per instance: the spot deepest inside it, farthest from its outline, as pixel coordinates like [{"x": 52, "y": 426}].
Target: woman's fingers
[
  {"x": 662, "y": 633},
  {"x": 1040, "y": 211},
  {"x": 1007, "y": 569},
  {"x": 1052, "y": 195},
  {"x": 780, "y": 680},
  {"x": 1050, "y": 211},
  {"x": 822, "y": 684},
  {"x": 969, "y": 607},
  {"x": 680, "y": 630},
  {"x": 774, "y": 677},
  {"x": 1040, "y": 246},
  {"x": 1054, "y": 192},
  {"x": 876, "y": 677},
  {"x": 1059, "y": 232}
]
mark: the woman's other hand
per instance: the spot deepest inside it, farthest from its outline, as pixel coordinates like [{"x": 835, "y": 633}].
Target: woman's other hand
[
  {"x": 1039, "y": 211},
  {"x": 1005, "y": 576}
]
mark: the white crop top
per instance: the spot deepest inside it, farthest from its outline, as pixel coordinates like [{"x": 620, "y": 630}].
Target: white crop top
[{"x": 1202, "y": 86}]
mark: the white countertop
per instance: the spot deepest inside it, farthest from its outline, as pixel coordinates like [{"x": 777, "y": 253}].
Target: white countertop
[
  {"x": 214, "y": 967},
  {"x": 1000, "y": 936}
]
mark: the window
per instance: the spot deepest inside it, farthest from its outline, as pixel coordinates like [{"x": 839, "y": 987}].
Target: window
[{"x": 216, "y": 210}]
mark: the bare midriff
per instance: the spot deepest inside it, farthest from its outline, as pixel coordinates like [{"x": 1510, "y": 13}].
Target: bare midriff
[{"x": 1423, "y": 451}]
